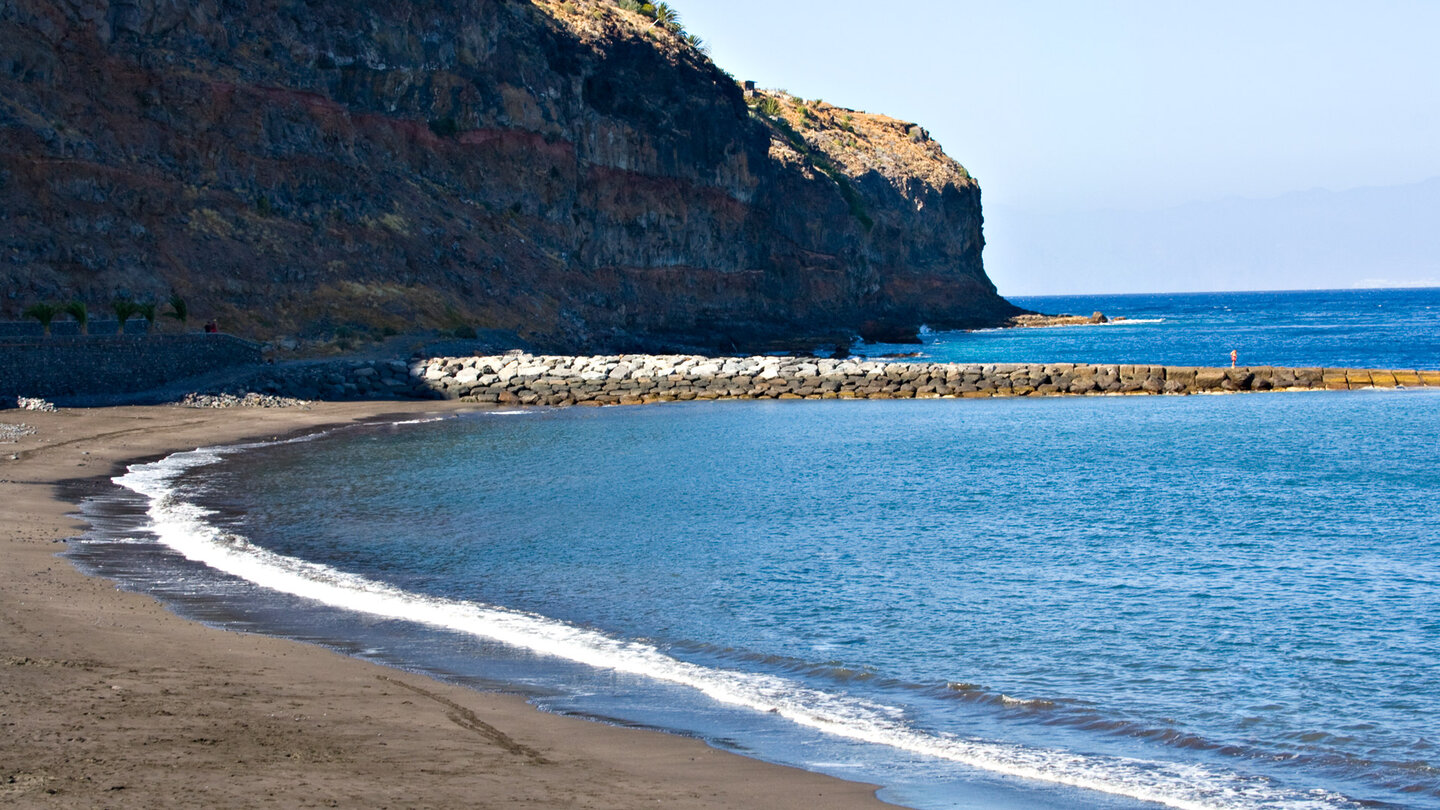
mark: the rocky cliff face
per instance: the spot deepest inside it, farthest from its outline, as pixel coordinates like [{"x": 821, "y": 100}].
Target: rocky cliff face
[{"x": 566, "y": 171}]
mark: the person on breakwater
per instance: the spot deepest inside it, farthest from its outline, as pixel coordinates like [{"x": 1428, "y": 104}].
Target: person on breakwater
[{"x": 1234, "y": 356}]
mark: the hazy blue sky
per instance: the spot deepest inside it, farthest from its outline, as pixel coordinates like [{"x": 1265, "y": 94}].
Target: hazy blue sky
[{"x": 1086, "y": 106}]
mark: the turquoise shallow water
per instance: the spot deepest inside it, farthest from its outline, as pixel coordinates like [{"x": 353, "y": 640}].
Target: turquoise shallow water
[{"x": 1214, "y": 601}]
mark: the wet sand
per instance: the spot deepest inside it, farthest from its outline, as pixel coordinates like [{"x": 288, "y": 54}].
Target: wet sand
[{"x": 108, "y": 699}]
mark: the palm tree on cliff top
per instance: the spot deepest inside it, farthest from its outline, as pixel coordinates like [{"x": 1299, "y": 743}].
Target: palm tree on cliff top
[{"x": 666, "y": 16}]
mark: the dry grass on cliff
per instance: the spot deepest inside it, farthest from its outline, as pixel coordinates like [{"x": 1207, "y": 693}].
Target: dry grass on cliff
[
  {"x": 600, "y": 20},
  {"x": 858, "y": 142}
]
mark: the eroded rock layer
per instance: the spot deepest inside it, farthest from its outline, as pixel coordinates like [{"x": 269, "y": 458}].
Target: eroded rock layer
[{"x": 567, "y": 171}]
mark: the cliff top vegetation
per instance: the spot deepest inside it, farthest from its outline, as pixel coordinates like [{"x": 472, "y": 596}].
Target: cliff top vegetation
[
  {"x": 857, "y": 142},
  {"x": 840, "y": 141}
]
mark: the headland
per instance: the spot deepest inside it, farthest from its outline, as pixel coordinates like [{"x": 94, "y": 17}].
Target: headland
[{"x": 580, "y": 174}]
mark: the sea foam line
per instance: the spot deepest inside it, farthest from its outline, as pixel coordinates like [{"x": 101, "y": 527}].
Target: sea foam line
[{"x": 185, "y": 527}]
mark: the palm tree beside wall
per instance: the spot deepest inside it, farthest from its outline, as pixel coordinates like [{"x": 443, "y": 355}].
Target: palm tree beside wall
[
  {"x": 178, "y": 309},
  {"x": 147, "y": 311},
  {"x": 124, "y": 309},
  {"x": 44, "y": 313},
  {"x": 77, "y": 310}
]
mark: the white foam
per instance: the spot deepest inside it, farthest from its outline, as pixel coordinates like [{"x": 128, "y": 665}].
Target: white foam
[{"x": 184, "y": 527}]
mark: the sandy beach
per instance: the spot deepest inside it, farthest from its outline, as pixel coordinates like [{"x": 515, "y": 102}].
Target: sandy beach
[{"x": 109, "y": 700}]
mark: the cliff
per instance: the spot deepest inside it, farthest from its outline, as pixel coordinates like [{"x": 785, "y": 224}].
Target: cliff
[{"x": 568, "y": 171}]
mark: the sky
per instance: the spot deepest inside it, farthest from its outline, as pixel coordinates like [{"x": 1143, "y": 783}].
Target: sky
[{"x": 1069, "y": 109}]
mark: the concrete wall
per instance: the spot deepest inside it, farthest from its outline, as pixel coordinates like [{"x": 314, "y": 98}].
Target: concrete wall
[{"x": 97, "y": 364}]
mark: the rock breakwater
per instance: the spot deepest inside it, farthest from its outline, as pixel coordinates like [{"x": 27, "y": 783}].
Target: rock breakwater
[{"x": 524, "y": 379}]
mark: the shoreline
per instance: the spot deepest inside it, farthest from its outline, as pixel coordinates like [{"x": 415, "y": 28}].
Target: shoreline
[{"x": 114, "y": 700}]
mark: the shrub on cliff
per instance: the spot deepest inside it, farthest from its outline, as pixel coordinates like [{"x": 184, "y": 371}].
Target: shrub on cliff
[
  {"x": 77, "y": 310},
  {"x": 42, "y": 312},
  {"x": 767, "y": 106},
  {"x": 444, "y": 127}
]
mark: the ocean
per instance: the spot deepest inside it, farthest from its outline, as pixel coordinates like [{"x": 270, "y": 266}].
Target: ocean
[
  {"x": 1099, "y": 602},
  {"x": 1335, "y": 328}
]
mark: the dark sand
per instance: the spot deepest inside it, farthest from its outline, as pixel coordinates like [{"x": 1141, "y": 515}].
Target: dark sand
[{"x": 109, "y": 700}]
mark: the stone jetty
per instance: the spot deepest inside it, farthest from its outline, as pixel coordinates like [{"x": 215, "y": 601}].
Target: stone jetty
[{"x": 524, "y": 379}]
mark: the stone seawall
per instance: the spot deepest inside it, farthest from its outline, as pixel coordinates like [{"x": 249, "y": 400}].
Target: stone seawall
[
  {"x": 342, "y": 380},
  {"x": 633, "y": 379},
  {"x": 61, "y": 366}
]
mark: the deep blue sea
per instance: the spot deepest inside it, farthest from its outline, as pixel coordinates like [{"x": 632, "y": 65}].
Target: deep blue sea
[
  {"x": 1107, "y": 602},
  {"x": 1327, "y": 328}
]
